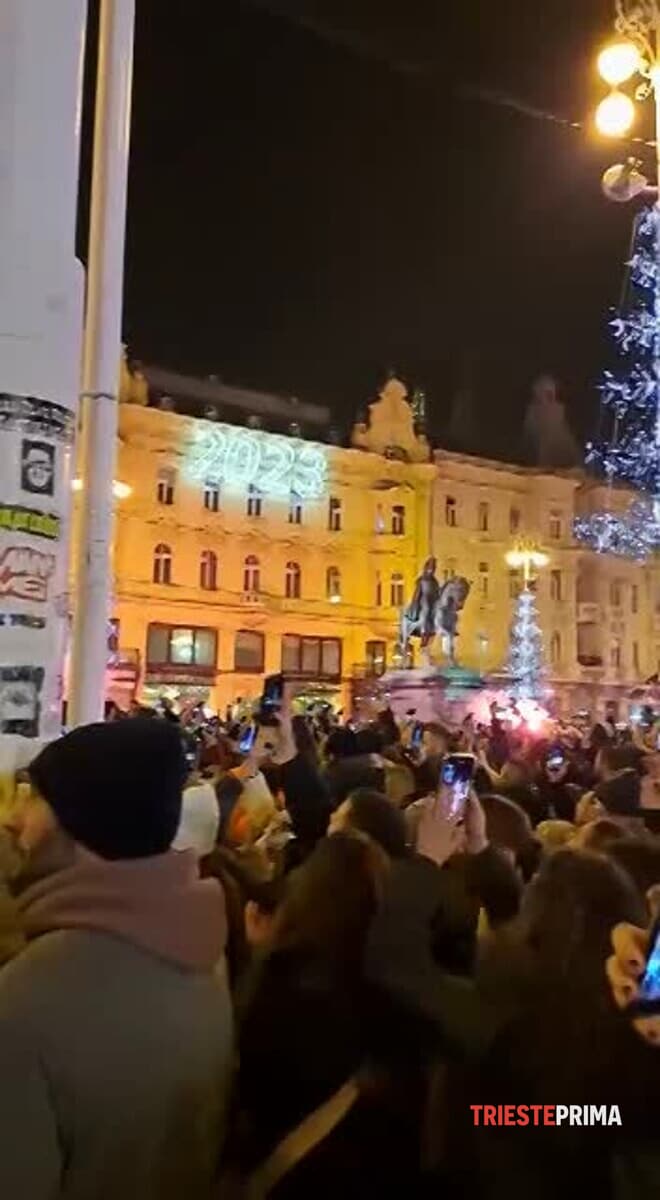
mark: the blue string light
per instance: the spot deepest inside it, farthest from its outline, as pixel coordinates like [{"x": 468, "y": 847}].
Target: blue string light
[
  {"x": 632, "y": 454},
  {"x": 526, "y": 649}
]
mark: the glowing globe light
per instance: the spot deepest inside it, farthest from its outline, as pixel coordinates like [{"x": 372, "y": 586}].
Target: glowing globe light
[
  {"x": 120, "y": 490},
  {"x": 615, "y": 115},
  {"x": 618, "y": 62}
]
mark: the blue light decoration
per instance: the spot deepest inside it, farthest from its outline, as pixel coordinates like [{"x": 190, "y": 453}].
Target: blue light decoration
[
  {"x": 526, "y": 649},
  {"x": 631, "y": 396},
  {"x": 276, "y": 465}
]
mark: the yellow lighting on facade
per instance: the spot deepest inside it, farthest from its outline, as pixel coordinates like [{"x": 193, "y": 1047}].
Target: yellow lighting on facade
[
  {"x": 618, "y": 62},
  {"x": 615, "y": 115},
  {"x": 120, "y": 491}
]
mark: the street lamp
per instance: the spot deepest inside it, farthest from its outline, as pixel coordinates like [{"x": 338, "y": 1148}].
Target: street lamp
[
  {"x": 632, "y": 456},
  {"x": 615, "y": 114},
  {"x": 528, "y": 556},
  {"x": 120, "y": 490}
]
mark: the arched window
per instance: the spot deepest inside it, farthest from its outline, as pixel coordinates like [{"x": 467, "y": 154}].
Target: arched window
[
  {"x": 555, "y": 648},
  {"x": 292, "y": 581},
  {"x": 397, "y": 599},
  {"x": 251, "y": 574},
  {"x": 208, "y": 570},
  {"x": 333, "y": 585},
  {"x": 162, "y": 572}
]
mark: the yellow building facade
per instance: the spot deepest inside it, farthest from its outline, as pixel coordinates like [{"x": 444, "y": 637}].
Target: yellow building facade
[
  {"x": 600, "y": 614},
  {"x": 240, "y": 553}
]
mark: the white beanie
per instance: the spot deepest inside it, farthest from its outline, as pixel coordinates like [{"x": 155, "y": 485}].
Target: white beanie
[{"x": 200, "y": 820}]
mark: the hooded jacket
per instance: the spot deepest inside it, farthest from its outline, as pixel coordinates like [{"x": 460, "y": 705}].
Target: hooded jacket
[{"x": 115, "y": 1034}]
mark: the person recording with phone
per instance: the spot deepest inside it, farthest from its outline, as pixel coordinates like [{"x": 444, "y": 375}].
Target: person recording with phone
[{"x": 558, "y": 793}]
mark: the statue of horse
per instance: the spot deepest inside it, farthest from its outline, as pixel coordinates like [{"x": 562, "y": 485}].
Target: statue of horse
[{"x": 451, "y": 599}]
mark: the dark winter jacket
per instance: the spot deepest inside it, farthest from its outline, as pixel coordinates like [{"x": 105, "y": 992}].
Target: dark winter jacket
[
  {"x": 505, "y": 1039},
  {"x": 305, "y": 1031}
]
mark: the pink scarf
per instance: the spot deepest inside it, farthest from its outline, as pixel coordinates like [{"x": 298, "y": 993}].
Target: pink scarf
[{"x": 159, "y": 904}]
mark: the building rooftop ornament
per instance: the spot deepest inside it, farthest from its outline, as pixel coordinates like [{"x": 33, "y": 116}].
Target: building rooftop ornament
[
  {"x": 133, "y": 387},
  {"x": 390, "y": 429}
]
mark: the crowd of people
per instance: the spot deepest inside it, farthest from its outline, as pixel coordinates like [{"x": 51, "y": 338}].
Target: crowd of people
[{"x": 266, "y": 956}]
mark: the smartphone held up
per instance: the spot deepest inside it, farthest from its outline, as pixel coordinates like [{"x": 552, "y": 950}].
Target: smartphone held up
[
  {"x": 647, "y": 1003},
  {"x": 456, "y": 778}
]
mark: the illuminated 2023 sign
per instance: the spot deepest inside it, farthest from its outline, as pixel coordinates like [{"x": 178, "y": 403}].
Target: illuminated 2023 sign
[{"x": 278, "y": 466}]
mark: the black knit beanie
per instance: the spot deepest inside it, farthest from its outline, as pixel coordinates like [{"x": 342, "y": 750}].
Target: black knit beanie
[{"x": 116, "y": 788}]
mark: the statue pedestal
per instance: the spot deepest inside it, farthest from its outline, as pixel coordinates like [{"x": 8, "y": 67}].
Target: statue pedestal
[{"x": 437, "y": 693}]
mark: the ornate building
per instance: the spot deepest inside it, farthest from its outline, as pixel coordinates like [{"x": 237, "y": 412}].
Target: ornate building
[
  {"x": 599, "y": 613},
  {"x": 241, "y": 551}
]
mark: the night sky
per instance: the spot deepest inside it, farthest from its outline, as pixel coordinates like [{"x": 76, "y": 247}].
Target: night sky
[{"x": 316, "y": 195}]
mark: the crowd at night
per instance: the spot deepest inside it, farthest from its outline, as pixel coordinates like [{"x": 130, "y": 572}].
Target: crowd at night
[{"x": 329, "y": 687}]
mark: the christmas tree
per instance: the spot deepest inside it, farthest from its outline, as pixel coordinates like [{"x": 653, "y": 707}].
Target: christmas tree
[
  {"x": 526, "y": 649},
  {"x": 628, "y": 452}
]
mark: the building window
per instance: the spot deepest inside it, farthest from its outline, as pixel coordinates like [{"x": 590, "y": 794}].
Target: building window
[
  {"x": 555, "y": 649},
  {"x": 162, "y": 571},
  {"x": 397, "y": 595},
  {"x": 178, "y": 646},
  {"x": 212, "y": 496},
  {"x": 334, "y": 514},
  {"x": 555, "y": 526},
  {"x": 380, "y": 519},
  {"x": 635, "y": 658},
  {"x": 450, "y": 512},
  {"x": 483, "y": 580},
  {"x": 634, "y": 599},
  {"x": 315, "y": 656},
  {"x": 295, "y": 509},
  {"x": 208, "y": 571},
  {"x": 555, "y": 585},
  {"x": 378, "y": 597},
  {"x": 483, "y": 516},
  {"x": 398, "y": 519},
  {"x": 615, "y": 593},
  {"x": 615, "y": 655},
  {"x": 450, "y": 570},
  {"x": 251, "y": 574},
  {"x": 514, "y": 520},
  {"x": 166, "y": 483},
  {"x": 376, "y": 657},
  {"x": 515, "y": 584},
  {"x": 254, "y": 501},
  {"x": 333, "y": 585},
  {"x": 292, "y": 581},
  {"x": 249, "y": 652}
]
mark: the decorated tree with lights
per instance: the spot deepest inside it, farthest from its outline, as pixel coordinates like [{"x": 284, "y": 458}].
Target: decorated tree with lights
[
  {"x": 526, "y": 648},
  {"x": 628, "y": 452}
]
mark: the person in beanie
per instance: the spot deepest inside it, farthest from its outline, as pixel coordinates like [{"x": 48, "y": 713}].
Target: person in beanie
[{"x": 115, "y": 1020}]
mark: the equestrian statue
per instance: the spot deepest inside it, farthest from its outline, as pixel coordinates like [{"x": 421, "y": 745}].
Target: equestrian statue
[{"x": 433, "y": 611}]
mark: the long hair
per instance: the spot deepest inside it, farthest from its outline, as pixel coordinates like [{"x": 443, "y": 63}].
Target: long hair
[
  {"x": 547, "y": 969},
  {"x": 331, "y": 900}
]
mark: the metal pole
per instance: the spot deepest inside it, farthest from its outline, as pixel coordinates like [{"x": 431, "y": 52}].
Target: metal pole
[
  {"x": 655, "y": 79},
  {"x": 101, "y": 360},
  {"x": 41, "y": 290}
]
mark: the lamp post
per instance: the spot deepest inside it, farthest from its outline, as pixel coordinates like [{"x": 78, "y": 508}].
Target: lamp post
[
  {"x": 101, "y": 360},
  {"x": 526, "y": 555},
  {"x": 41, "y": 294},
  {"x": 634, "y": 452}
]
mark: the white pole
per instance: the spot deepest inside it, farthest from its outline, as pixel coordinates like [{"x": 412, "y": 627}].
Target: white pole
[
  {"x": 41, "y": 288},
  {"x": 655, "y": 79},
  {"x": 101, "y": 359}
]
